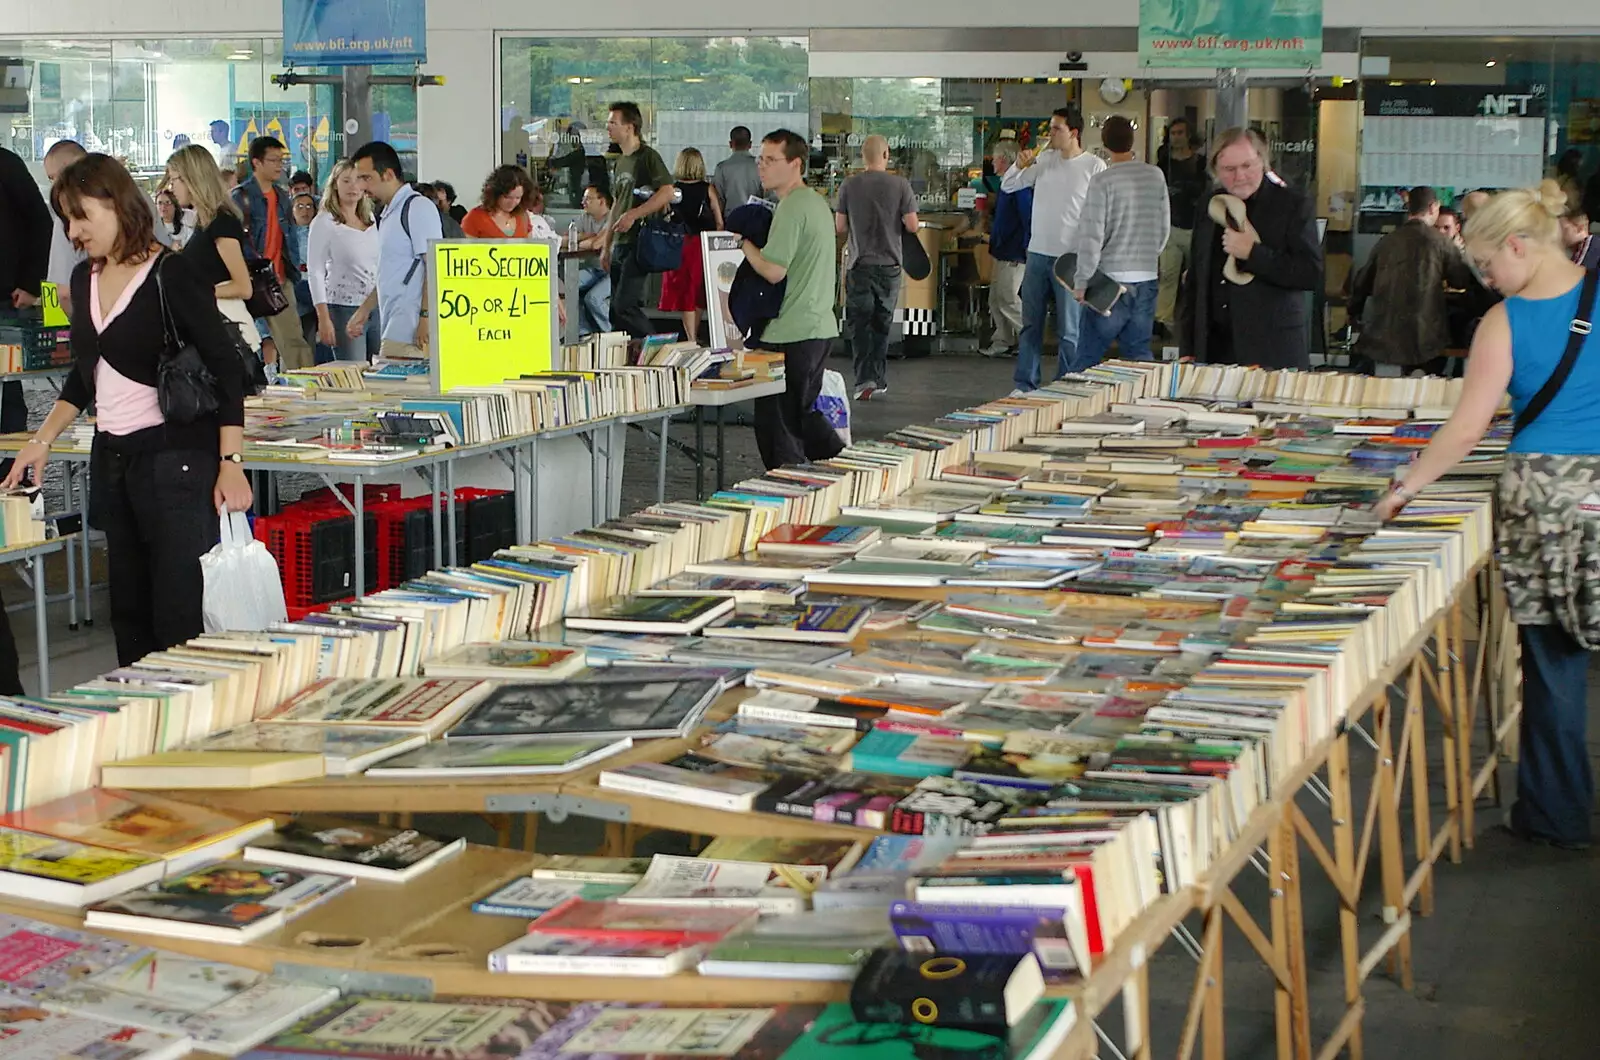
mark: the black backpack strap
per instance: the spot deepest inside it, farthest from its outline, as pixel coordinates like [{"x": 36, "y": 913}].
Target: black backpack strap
[
  {"x": 405, "y": 226},
  {"x": 1582, "y": 324}
]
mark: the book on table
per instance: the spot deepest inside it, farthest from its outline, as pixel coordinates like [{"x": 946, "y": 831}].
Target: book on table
[
  {"x": 345, "y": 749},
  {"x": 837, "y": 1032},
  {"x": 817, "y": 540},
  {"x": 32, "y": 1034},
  {"x": 425, "y": 704},
  {"x": 690, "y": 778},
  {"x": 223, "y": 1008},
  {"x": 213, "y": 769},
  {"x": 542, "y": 954},
  {"x": 42, "y": 868},
  {"x": 653, "y": 614},
  {"x": 810, "y": 623},
  {"x": 595, "y": 711},
  {"x": 509, "y": 660},
  {"x": 742, "y": 590},
  {"x": 829, "y": 945},
  {"x": 499, "y": 757},
  {"x": 529, "y": 899},
  {"x": 365, "y": 851},
  {"x": 706, "y": 883},
  {"x": 179, "y": 833},
  {"x": 232, "y": 902},
  {"x": 641, "y": 922}
]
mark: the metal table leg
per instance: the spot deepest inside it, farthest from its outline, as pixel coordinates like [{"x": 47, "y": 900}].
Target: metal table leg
[
  {"x": 452, "y": 550},
  {"x": 533, "y": 488},
  {"x": 360, "y": 514},
  {"x": 40, "y": 621},
  {"x": 699, "y": 452},
  {"x": 722, "y": 448},
  {"x": 71, "y": 555},
  {"x": 434, "y": 475},
  {"x": 661, "y": 461}
]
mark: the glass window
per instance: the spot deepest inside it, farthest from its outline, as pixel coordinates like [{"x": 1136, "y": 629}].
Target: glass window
[
  {"x": 142, "y": 99},
  {"x": 555, "y": 93}
]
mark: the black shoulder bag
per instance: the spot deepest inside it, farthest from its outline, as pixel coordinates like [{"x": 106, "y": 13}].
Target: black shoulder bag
[
  {"x": 1579, "y": 331},
  {"x": 185, "y": 387}
]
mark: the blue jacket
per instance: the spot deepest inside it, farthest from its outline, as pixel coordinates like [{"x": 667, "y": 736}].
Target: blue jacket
[
  {"x": 253, "y": 204},
  {"x": 751, "y": 300},
  {"x": 1013, "y": 221}
]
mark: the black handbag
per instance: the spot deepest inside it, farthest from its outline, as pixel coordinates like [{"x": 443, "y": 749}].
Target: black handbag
[
  {"x": 659, "y": 247},
  {"x": 266, "y": 293},
  {"x": 185, "y": 387}
]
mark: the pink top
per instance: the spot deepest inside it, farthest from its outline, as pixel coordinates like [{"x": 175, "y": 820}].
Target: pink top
[{"x": 122, "y": 405}]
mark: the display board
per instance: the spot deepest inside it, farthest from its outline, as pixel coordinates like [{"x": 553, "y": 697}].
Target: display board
[
  {"x": 1228, "y": 33},
  {"x": 354, "y": 32},
  {"x": 1454, "y": 138},
  {"x": 493, "y": 315}
]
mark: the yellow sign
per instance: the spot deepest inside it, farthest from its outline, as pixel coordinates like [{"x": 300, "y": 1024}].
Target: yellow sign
[
  {"x": 492, "y": 313},
  {"x": 50, "y": 302}
]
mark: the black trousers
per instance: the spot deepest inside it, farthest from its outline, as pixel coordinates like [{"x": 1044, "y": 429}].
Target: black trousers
[
  {"x": 157, "y": 513},
  {"x": 789, "y": 429},
  {"x": 10, "y": 665},
  {"x": 627, "y": 292}
]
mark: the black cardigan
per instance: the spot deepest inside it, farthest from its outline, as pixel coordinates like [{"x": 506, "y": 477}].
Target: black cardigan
[{"x": 133, "y": 345}]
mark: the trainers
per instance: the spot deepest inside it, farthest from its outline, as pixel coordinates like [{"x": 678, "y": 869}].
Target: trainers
[
  {"x": 879, "y": 389},
  {"x": 995, "y": 349},
  {"x": 864, "y": 392},
  {"x": 1019, "y": 393}
]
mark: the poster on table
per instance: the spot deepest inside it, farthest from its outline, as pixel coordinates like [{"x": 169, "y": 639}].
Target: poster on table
[
  {"x": 493, "y": 310},
  {"x": 1226, "y": 33},
  {"x": 354, "y": 32},
  {"x": 721, "y": 256},
  {"x": 1452, "y": 138}
]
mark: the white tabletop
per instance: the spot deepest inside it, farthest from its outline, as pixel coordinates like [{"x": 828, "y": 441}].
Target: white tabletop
[{"x": 710, "y": 398}]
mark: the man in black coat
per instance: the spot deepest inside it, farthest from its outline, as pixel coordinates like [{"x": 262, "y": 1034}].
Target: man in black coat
[{"x": 1276, "y": 252}]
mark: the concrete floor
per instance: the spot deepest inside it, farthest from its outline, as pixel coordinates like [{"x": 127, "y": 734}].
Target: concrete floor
[{"x": 1502, "y": 968}]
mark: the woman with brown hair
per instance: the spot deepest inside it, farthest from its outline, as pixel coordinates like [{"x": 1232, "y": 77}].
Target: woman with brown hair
[
  {"x": 503, "y": 211},
  {"x": 157, "y": 483}
]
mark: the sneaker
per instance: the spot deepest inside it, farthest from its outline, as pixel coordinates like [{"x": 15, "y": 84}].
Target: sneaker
[
  {"x": 1019, "y": 393},
  {"x": 864, "y": 392},
  {"x": 879, "y": 389},
  {"x": 995, "y": 349}
]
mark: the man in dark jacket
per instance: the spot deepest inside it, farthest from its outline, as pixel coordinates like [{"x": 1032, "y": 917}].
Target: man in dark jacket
[
  {"x": 1008, "y": 247},
  {"x": 1399, "y": 295},
  {"x": 268, "y": 212},
  {"x": 1263, "y": 319}
]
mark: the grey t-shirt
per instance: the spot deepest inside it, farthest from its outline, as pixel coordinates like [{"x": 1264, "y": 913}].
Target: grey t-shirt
[
  {"x": 737, "y": 181},
  {"x": 874, "y": 204}
]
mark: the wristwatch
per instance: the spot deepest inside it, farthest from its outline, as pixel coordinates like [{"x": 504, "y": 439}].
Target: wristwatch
[
  {"x": 1404, "y": 492},
  {"x": 422, "y": 313},
  {"x": 233, "y": 458}
]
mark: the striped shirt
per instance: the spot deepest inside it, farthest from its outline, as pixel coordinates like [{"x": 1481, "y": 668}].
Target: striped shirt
[{"x": 1124, "y": 224}]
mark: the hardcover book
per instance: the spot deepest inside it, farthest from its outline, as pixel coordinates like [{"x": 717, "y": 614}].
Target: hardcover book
[
  {"x": 367, "y": 851},
  {"x": 345, "y": 749},
  {"x": 589, "y": 711},
  {"x": 43, "y": 868},
  {"x": 654, "y": 614},
  {"x": 505, "y": 756},
  {"x": 228, "y": 901},
  {"x": 141, "y": 824}
]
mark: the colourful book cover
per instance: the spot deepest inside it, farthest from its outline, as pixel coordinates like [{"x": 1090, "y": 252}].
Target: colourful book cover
[
  {"x": 64, "y": 861},
  {"x": 458, "y": 1029},
  {"x": 133, "y": 821},
  {"x": 36, "y": 957},
  {"x": 642, "y": 922}
]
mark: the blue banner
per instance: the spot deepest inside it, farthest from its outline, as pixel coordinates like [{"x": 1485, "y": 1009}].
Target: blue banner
[{"x": 354, "y": 32}]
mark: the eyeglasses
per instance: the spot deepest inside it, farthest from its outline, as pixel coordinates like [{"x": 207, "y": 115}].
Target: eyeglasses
[{"x": 770, "y": 160}]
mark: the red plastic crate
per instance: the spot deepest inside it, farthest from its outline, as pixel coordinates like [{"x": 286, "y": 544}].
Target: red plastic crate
[{"x": 312, "y": 549}]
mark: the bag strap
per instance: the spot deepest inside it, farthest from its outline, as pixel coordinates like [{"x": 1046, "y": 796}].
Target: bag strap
[
  {"x": 169, "y": 327},
  {"x": 1576, "y": 335},
  {"x": 405, "y": 226}
]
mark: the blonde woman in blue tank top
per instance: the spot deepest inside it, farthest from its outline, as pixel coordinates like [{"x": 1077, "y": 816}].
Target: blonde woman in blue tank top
[{"x": 1548, "y": 511}]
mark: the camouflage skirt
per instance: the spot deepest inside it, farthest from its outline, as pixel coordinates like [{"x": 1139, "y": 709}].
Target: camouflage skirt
[{"x": 1548, "y": 540}]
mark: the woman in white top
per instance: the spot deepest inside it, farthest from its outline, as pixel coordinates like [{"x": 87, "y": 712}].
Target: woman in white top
[{"x": 342, "y": 270}]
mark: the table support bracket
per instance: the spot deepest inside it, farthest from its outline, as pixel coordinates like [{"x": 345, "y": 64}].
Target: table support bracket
[{"x": 557, "y": 808}]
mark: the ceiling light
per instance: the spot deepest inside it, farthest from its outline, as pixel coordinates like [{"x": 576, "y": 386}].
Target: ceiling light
[
  {"x": 924, "y": 80},
  {"x": 240, "y": 57},
  {"x": 694, "y": 80},
  {"x": 574, "y": 80},
  {"x": 1489, "y": 63}
]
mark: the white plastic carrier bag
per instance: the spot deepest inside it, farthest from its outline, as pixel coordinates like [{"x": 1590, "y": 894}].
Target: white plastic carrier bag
[
  {"x": 243, "y": 589},
  {"x": 834, "y": 403}
]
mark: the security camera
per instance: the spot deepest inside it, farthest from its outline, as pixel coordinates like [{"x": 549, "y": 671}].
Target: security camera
[{"x": 1074, "y": 57}]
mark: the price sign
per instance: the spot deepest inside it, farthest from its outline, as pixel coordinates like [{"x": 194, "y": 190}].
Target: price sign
[
  {"x": 493, "y": 313},
  {"x": 50, "y": 302}
]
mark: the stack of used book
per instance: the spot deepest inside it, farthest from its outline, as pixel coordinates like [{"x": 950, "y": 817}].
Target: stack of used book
[{"x": 1081, "y": 633}]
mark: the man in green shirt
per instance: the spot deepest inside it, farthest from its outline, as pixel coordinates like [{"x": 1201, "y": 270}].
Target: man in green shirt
[
  {"x": 799, "y": 254},
  {"x": 641, "y": 185}
]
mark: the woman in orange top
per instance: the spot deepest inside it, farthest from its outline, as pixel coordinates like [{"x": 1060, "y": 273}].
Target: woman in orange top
[{"x": 502, "y": 213}]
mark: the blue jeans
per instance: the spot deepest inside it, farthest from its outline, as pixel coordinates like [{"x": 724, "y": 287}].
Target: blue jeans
[
  {"x": 594, "y": 301},
  {"x": 345, "y": 348},
  {"x": 1038, "y": 285},
  {"x": 1128, "y": 326},
  {"x": 1555, "y": 784}
]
